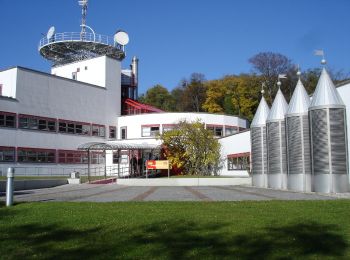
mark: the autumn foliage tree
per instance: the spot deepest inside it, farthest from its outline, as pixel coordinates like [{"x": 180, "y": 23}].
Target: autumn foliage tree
[{"x": 192, "y": 148}]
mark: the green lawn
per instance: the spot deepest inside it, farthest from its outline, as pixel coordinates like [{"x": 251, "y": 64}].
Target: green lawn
[{"x": 176, "y": 230}]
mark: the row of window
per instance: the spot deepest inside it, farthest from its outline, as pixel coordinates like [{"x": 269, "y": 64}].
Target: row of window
[
  {"x": 238, "y": 162},
  {"x": 54, "y": 125},
  {"x": 218, "y": 130},
  {"x": 35, "y": 155}
]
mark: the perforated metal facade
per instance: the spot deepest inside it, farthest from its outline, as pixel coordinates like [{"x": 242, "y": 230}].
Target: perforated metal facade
[
  {"x": 298, "y": 153},
  {"x": 277, "y": 155},
  {"x": 259, "y": 156}
]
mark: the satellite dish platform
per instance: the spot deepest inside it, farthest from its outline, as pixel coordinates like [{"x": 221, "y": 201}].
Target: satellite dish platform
[{"x": 68, "y": 47}]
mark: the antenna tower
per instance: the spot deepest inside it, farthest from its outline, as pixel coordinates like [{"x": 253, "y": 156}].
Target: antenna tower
[{"x": 83, "y": 4}]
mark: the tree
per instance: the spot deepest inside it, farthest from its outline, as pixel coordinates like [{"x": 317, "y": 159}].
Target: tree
[
  {"x": 215, "y": 96},
  {"x": 192, "y": 148},
  {"x": 245, "y": 95},
  {"x": 269, "y": 65},
  {"x": 194, "y": 93},
  {"x": 159, "y": 97}
]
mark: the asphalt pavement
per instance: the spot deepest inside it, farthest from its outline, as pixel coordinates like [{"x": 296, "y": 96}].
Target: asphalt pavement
[{"x": 115, "y": 192}]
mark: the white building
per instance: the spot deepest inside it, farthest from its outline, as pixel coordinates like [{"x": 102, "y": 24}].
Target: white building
[{"x": 44, "y": 118}]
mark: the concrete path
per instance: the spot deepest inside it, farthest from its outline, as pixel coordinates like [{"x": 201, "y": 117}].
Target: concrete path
[{"x": 115, "y": 192}]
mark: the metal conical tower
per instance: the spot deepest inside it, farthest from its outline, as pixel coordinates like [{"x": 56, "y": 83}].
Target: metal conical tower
[
  {"x": 328, "y": 138},
  {"x": 258, "y": 143},
  {"x": 298, "y": 140},
  {"x": 276, "y": 144}
]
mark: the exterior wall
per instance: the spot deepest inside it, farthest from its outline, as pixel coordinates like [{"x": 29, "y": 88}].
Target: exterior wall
[
  {"x": 234, "y": 145},
  {"x": 94, "y": 74},
  {"x": 45, "y": 95},
  {"x": 344, "y": 92},
  {"x": 135, "y": 122},
  {"x": 8, "y": 81}
]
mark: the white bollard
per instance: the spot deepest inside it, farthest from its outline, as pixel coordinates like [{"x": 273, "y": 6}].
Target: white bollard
[{"x": 9, "y": 186}]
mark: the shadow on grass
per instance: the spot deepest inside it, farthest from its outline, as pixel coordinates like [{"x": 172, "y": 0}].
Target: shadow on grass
[{"x": 177, "y": 240}]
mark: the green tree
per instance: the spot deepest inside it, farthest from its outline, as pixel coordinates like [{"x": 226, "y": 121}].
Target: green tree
[
  {"x": 192, "y": 148},
  {"x": 190, "y": 94},
  {"x": 215, "y": 96},
  {"x": 159, "y": 97}
]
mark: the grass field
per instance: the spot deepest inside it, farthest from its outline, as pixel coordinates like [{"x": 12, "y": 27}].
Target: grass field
[{"x": 176, "y": 230}]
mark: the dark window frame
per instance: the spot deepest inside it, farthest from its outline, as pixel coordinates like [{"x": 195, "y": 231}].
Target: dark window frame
[
  {"x": 5, "y": 119},
  {"x": 36, "y": 155},
  {"x": 38, "y": 123},
  {"x": 3, "y": 155}
]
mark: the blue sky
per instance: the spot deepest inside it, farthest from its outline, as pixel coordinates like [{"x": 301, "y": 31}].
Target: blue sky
[{"x": 176, "y": 38}]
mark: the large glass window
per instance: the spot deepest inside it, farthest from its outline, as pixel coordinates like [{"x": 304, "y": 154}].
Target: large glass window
[
  {"x": 99, "y": 130},
  {"x": 216, "y": 129},
  {"x": 149, "y": 130},
  {"x": 230, "y": 130},
  {"x": 37, "y": 123},
  {"x": 7, "y": 154},
  {"x": 74, "y": 127},
  {"x": 116, "y": 157},
  {"x": 238, "y": 162},
  {"x": 112, "y": 132},
  {"x": 7, "y": 119},
  {"x": 97, "y": 158},
  {"x": 34, "y": 155},
  {"x": 72, "y": 157}
]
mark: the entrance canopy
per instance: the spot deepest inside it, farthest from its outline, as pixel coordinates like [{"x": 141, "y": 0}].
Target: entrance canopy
[{"x": 116, "y": 145}]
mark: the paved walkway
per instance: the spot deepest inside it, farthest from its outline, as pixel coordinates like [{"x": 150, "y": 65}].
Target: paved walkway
[{"x": 115, "y": 192}]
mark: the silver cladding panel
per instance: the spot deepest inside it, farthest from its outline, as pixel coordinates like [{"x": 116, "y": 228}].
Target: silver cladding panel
[
  {"x": 338, "y": 140},
  {"x": 259, "y": 156},
  {"x": 298, "y": 153},
  {"x": 329, "y": 169},
  {"x": 276, "y": 150},
  {"x": 320, "y": 154}
]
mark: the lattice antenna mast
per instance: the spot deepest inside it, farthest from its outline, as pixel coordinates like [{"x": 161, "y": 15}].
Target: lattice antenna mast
[{"x": 83, "y": 4}]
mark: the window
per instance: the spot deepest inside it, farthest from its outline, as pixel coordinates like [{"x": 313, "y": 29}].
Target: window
[
  {"x": 74, "y": 75},
  {"x": 78, "y": 69},
  {"x": 86, "y": 67},
  {"x": 37, "y": 123},
  {"x": 149, "y": 130},
  {"x": 97, "y": 158},
  {"x": 116, "y": 157},
  {"x": 230, "y": 130},
  {"x": 99, "y": 130},
  {"x": 216, "y": 129},
  {"x": 0, "y": 89},
  {"x": 168, "y": 127},
  {"x": 72, "y": 157},
  {"x": 35, "y": 155},
  {"x": 7, "y": 154},
  {"x": 123, "y": 132},
  {"x": 7, "y": 119},
  {"x": 238, "y": 162},
  {"x": 112, "y": 132},
  {"x": 74, "y": 127}
]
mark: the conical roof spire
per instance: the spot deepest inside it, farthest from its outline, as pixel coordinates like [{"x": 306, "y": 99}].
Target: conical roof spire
[
  {"x": 279, "y": 107},
  {"x": 261, "y": 114},
  {"x": 326, "y": 94},
  {"x": 300, "y": 102}
]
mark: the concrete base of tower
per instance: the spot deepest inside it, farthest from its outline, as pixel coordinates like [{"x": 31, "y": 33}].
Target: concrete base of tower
[
  {"x": 299, "y": 182},
  {"x": 259, "y": 180},
  {"x": 327, "y": 183},
  {"x": 277, "y": 181}
]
